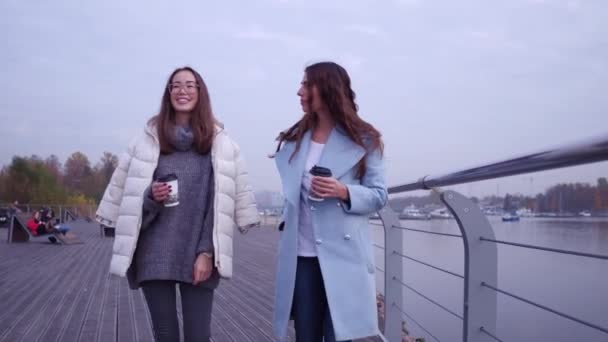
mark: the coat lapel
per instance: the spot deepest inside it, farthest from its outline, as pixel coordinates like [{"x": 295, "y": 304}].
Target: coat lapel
[
  {"x": 340, "y": 154},
  {"x": 291, "y": 172}
]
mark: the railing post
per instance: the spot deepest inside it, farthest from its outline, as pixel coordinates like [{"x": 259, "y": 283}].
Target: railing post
[
  {"x": 480, "y": 264},
  {"x": 393, "y": 268},
  {"x": 61, "y": 218}
]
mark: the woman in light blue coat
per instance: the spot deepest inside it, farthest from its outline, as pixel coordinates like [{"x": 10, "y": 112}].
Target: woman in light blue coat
[{"x": 325, "y": 269}]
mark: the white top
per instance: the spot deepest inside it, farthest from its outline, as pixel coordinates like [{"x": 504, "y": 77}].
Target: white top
[{"x": 306, "y": 234}]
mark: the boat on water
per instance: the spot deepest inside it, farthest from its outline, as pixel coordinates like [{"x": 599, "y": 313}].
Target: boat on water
[
  {"x": 492, "y": 212},
  {"x": 441, "y": 214},
  {"x": 585, "y": 213},
  {"x": 525, "y": 212},
  {"x": 413, "y": 213},
  {"x": 510, "y": 217},
  {"x": 556, "y": 215}
]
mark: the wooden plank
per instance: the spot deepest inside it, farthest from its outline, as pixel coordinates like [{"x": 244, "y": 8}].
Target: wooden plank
[
  {"x": 125, "y": 314},
  {"x": 17, "y": 275},
  {"x": 250, "y": 307},
  {"x": 60, "y": 314},
  {"x": 32, "y": 302},
  {"x": 237, "y": 315},
  {"x": 94, "y": 306},
  {"x": 180, "y": 317},
  {"x": 227, "y": 324},
  {"x": 92, "y": 321},
  {"x": 107, "y": 327},
  {"x": 143, "y": 324},
  {"x": 91, "y": 291},
  {"x": 14, "y": 256},
  {"x": 218, "y": 334},
  {"x": 29, "y": 288},
  {"x": 52, "y": 314}
]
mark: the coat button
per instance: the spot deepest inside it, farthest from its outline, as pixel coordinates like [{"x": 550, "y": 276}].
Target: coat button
[
  {"x": 319, "y": 241},
  {"x": 339, "y": 204},
  {"x": 347, "y": 237},
  {"x": 312, "y": 208}
]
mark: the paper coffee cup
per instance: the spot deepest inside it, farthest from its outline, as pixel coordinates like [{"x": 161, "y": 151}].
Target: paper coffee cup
[
  {"x": 171, "y": 180},
  {"x": 318, "y": 171}
]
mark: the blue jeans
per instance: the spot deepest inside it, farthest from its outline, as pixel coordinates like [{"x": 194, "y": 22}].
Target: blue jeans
[
  {"x": 310, "y": 310},
  {"x": 62, "y": 229}
]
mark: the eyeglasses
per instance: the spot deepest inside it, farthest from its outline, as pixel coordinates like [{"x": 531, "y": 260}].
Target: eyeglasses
[{"x": 189, "y": 87}]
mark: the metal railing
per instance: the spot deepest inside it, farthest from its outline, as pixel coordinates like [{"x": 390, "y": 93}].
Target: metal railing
[
  {"x": 62, "y": 211},
  {"x": 479, "y": 306}
]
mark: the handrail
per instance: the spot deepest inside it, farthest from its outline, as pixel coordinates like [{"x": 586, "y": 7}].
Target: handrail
[
  {"x": 547, "y": 249},
  {"x": 586, "y": 152},
  {"x": 546, "y": 308},
  {"x": 480, "y": 244}
]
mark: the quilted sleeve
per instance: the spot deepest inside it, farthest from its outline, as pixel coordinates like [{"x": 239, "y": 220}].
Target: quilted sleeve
[
  {"x": 246, "y": 212},
  {"x": 107, "y": 212}
]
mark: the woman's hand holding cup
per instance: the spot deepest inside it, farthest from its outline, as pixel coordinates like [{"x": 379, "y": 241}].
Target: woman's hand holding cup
[
  {"x": 160, "y": 191},
  {"x": 329, "y": 187},
  {"x": 323, "y": 185}
]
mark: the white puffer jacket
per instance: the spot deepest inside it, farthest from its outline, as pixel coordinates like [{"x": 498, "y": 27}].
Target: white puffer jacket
[{"x": 121, "y": 205}]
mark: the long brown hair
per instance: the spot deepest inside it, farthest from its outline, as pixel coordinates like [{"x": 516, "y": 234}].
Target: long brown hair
[
  {"x": 333, "y": 85},
  {"x": 202, "y": 121}
]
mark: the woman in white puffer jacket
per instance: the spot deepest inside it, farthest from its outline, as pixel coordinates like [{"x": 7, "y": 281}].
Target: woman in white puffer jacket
[{"x": 190, "y": 244}]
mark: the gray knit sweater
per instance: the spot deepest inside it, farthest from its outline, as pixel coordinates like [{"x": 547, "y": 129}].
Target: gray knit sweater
[{"x": 172, "y": 237}]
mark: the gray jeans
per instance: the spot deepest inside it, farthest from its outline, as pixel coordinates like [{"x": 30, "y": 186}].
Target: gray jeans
[{"x": 197, "y": 302}]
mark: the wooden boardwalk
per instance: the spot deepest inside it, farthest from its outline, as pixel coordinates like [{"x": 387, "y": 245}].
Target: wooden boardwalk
[{"x": 64, "y": 293}]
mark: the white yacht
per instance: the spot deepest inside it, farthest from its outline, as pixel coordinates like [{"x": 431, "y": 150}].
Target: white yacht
[{"x": 412, "y": 213}]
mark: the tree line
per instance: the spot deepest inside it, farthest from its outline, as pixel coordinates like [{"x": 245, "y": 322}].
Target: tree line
[
  {"x": 76, "y": 181},
  {"x": 560, "y": 198},
  {"x": 565, "y": 198},
  {"x": 49, "y": 181}
]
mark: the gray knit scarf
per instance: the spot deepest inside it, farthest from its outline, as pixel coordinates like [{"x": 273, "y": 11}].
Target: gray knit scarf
[{"x": 182, "y": 138}]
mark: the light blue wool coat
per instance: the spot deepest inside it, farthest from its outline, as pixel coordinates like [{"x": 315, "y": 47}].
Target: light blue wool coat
[{"x": 342, "y": 235}]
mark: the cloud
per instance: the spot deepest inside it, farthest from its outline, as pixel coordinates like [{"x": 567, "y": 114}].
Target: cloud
[
  {"x": 480, "y": 34},
  {"x": 255, "y": 74},
  {"x": 352, "y": 61},
  {"x": 260, "y": 34},
  {"x": 470, "y": 66},
  {"x": 574, "y": 4},
  {"x": 568, "y": 4},
  {"x": 368, "y": 30},
  {"x": 408, "y": 3}
]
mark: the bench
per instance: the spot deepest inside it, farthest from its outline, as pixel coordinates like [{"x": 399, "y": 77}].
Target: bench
[
  {"x": 18, "y": 232},
  {"x": 105, "y": 228},
  {"x": 106, "y": 231}
]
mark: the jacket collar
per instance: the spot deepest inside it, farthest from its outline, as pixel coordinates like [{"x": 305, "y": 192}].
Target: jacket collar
[
  {"x": 340, "y": 154},
  {"x": 151, "y": 130}
]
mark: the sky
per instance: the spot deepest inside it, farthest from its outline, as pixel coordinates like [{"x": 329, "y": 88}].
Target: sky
[{"x": 450, "y": 84}]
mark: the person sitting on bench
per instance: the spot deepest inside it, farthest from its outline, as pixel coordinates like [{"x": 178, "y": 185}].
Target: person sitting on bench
[
  {"x": 39, "y": 228},
  {"x": 47, "y": 214}
]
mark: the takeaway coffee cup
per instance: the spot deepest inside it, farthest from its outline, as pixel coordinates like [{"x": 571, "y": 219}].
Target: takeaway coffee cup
[
  {"x": 171, "y": 180},
  {"x": 318, "y": 171}
]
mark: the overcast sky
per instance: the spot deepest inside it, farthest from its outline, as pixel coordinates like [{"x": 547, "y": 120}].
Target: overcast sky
[{"x": 450, "y": 84}]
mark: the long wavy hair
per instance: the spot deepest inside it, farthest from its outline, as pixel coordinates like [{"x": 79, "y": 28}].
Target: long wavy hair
[
  {"x": 202, "y": 121},
  {"x": 333, "y": 85}
]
